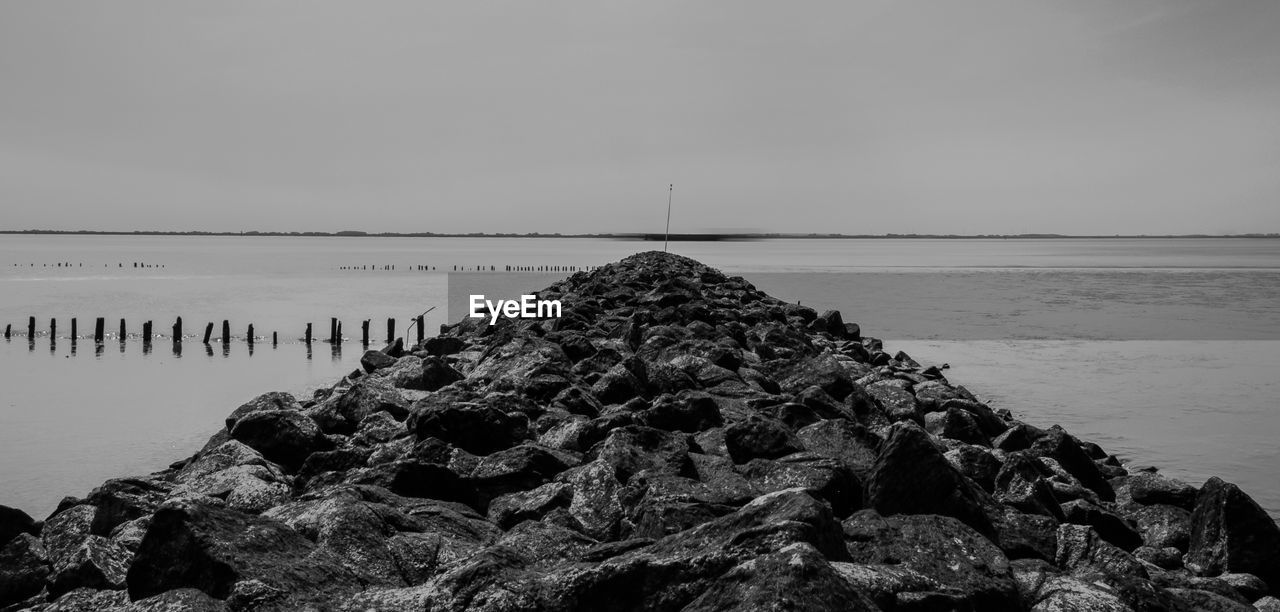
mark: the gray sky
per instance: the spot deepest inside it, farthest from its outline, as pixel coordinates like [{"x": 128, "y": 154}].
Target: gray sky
[{"x": 855, "y": 116}]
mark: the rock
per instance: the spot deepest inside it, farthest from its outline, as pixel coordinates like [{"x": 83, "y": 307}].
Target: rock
[
  {"x": 1042, "y": 592},
  {"x": 1267, "y": 604},
  {"x": 822, "y": 477},
  {"x": 1065, "y": 449},
  {"x": 912, "y": 477},
  {"x": 824, "y": 371},
  {"x": 124, "y": 499},
  {"x": 1108, "y": 525},
  {"x": 178, "y": 600},
  {"x": 508, "y": 510},
  {"x": 961, "y": 561},
  {"x": 282, "y": 436},
  {"x": 24, "y": 567},
  {"x": 976, "y": 464},
  {"x": 13, "y": 522},
  {"x": 88, "y": 600},
  {"x": 1249, "y": 586},
  {"x": 96, "y": 563},
  {"x": 988, "y": 423},
  {"x": 419, "y": 480},
  {"x": 519, "y": 468},
  {"x": 1080, "y": 547},
  {"x": 689, "y": 412},
  {"x": 1163, "y": 526},
  {"x": 674, "y": 571},
  {"x": 276, "y": 400},
  {"x": 617, "y": 386},
  {"x": 1018, "y": 437},
  {"x": 441, "y": 346},
  {"x": 1164, "y": 558},
  {"x": 897, "y": 402},
  {"x": 1149, "y": 488},
  {"x": 759, "y": 438},
  {"x": 577, "y": 400},
  {"x": 797, "y": 577},
  {"x": 594, "y": 502},
  {"x": 343, "y": 414},
  {"x": 65, "y": 531},
  {"x": 215, "y": 550},
  {"x": 437, "y": 374},
  {"x": 372, "y": 361},
  {"x": 850, "y": 443},
  {"x": 1025, "y": 536},
  {"x": 1205, "y": 601},
  {"x": 476, "y": 429},
  {"x": 634, "y": 448},
  {"x": 356, "y": 529},
  {"x": 1231, "y": 533}
]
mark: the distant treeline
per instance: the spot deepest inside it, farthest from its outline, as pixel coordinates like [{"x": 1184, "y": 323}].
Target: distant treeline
[{"x": 632, "y": 236}]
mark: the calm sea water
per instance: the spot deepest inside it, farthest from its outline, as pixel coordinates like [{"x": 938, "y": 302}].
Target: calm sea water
[{"x": 1164, "y": 351}]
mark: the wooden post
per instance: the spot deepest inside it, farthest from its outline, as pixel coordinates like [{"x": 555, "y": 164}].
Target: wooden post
[
  {"x": 391, "y": 330},
  {"x": 98, "y": 328},
  {"x": 31, "y": 327},
  {"x": 122, "y": 330},
  {"x": 73, "y": 329},
  {"x": 275, "y": 339},
  {"x": 208, "y": 331},
  {"x": 177, "y": 330},
  {"x": 146, "y": 332},
  {"x": 53, "y": 328},
  {"x": 226, "y": 331},
  {"x": 249, "y": 336},
  {"x": 308, "y": 334},
  {"x": 422, "y": 333},
  {"x": 333, "y": 330},
  {"x": 364, "y": 333},
  {"x": 339, "y": 336},
  {"x": 8, "y": 331}
]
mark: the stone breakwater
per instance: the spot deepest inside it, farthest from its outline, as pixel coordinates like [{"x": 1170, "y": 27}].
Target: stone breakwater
[{"x": 676, "y": 440}]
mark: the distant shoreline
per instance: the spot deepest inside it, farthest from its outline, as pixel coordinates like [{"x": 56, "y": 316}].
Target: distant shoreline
[{"x": 704, "y": 237}]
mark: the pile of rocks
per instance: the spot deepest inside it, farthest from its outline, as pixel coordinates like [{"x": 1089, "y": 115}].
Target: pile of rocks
[{"x": 676, "y": 441}]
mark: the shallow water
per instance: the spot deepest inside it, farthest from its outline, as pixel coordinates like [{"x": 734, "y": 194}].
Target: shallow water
[{"x": 1163, "y": 351}]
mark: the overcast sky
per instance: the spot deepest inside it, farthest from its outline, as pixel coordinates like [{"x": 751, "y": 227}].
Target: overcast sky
[{"x": 854, "y": 116}]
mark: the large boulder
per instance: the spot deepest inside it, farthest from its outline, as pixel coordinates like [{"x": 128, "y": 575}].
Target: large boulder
[
  {"x": 229, "y": 554},
  {"x": 958, "y": 560},
  {"x": 1060, "y": 446},
  {"x": 342, "y": 414},
  {"x": 759, "y": 438},
  {"x": 1231, "y": 533},
  {"x": 285, "y": 437},
  {"x": 24, "y": 567},
  {"x": 911, "y": 476},
  {"x": 13, "y": 522},
  {"x": 473, "y": 428},
  {"x": 275, "y": 400}
]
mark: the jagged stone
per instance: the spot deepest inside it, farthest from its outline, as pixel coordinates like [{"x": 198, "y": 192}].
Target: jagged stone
[
  {"x": 1231, "y": 533},
  {"x": 954, "y": 556},
  {"x": 282, "y": 436},
  {"x": 24, "y": 567},
  {"x": 192, "y": 545},
  {"x": 911, "y": 476}
]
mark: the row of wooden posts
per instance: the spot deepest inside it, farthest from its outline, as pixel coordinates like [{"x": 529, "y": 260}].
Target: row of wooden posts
[
  {"x": 335, "y": 331},
  {"x": 67, "y": 264}
]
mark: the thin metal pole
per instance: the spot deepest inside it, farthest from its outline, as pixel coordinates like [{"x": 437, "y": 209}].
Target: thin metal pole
[{"x": 667, "y": 236}]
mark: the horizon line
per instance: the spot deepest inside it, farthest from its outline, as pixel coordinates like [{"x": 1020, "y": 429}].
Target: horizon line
[{"x": 685, "y": 236}]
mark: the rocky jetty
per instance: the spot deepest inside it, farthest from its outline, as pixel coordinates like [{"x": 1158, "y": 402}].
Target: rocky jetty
[{"x": 677, "y": 440}]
